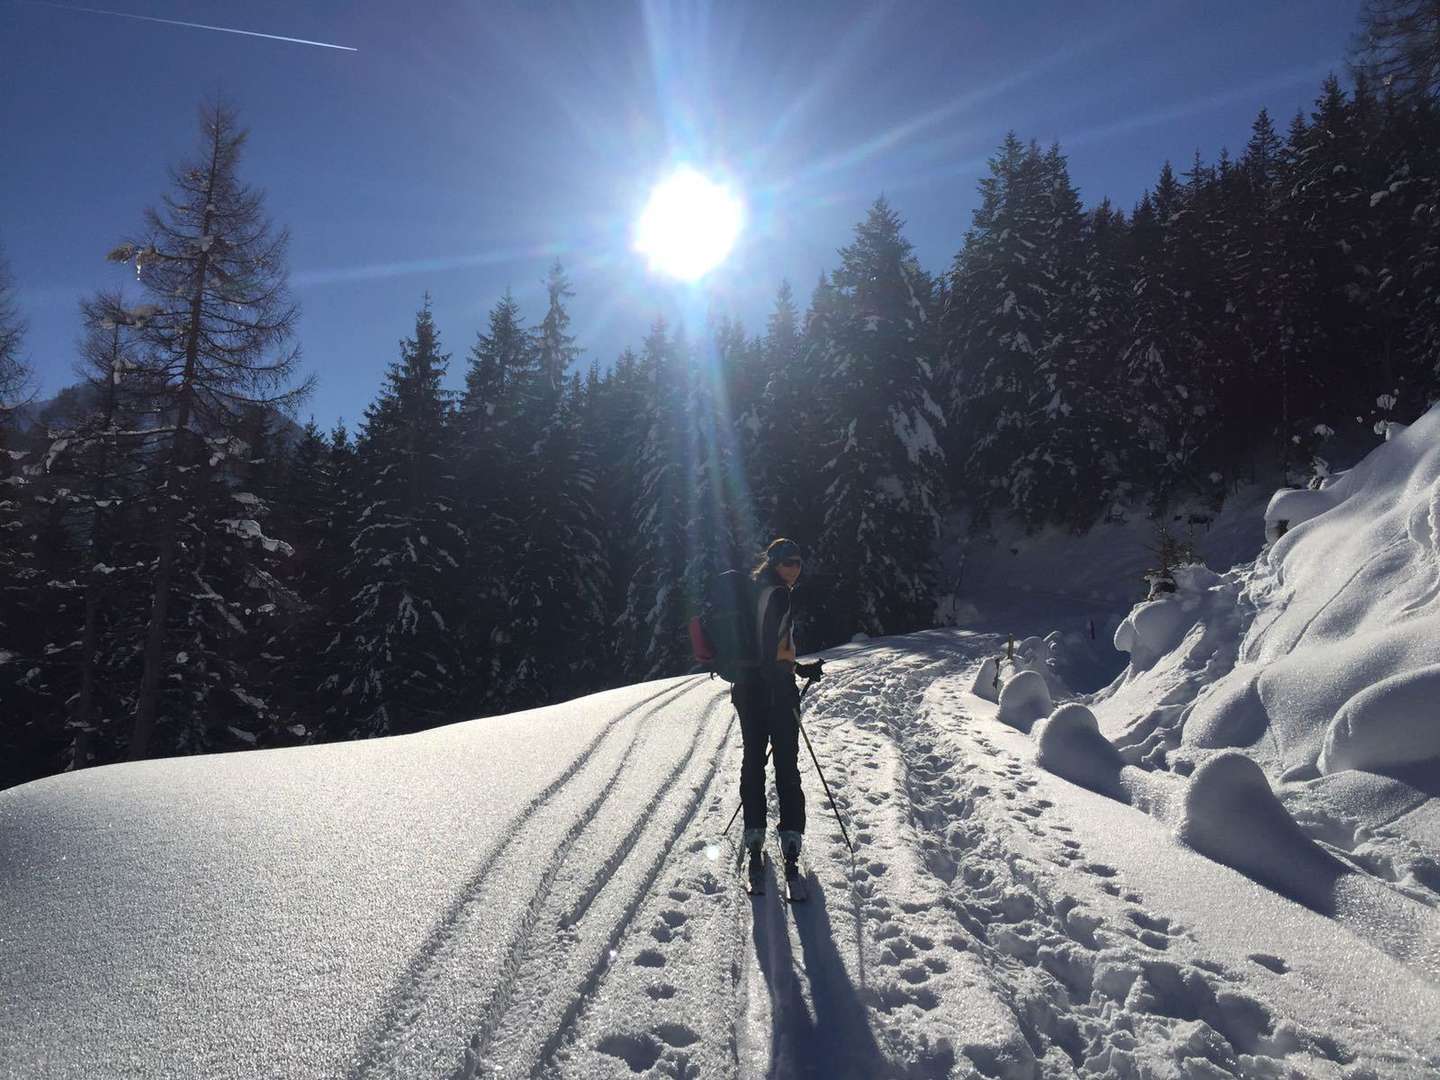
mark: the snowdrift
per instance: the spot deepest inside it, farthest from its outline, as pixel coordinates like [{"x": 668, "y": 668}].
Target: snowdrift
[{"x": 1300, "y": 694}]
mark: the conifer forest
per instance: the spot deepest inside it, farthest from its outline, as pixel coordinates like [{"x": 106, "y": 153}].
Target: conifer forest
[{"x": 186, "y": 568}]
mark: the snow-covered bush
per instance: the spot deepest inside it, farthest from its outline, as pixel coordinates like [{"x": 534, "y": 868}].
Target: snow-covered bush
[{"x": 1156, "y": 627}]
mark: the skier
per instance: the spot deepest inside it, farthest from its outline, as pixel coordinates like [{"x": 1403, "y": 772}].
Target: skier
[{"x": 768, "y": 702}]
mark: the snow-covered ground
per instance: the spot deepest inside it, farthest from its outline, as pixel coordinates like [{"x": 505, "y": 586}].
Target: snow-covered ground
[
  {"x": 1223, "y": 864},
  {"x": 550, "y": 894}
]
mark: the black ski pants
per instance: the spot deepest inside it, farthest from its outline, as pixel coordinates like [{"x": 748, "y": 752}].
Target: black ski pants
[{"x": 769, "y": 708}]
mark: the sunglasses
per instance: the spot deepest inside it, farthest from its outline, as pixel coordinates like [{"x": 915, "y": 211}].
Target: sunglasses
[{"x": 790, "y": 562}]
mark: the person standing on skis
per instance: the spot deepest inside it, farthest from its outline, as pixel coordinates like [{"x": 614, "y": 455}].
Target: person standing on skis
[{"x": 768, "y": 703}]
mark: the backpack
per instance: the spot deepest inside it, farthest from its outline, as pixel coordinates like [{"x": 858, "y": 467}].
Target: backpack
[{"x": 722, "y": 636}]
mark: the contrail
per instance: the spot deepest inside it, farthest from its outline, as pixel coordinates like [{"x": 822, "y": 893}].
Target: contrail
[{"x": 192, "y": 25}]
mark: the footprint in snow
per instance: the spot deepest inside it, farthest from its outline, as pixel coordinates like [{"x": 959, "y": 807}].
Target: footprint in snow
[
  {"x": 650, "y": 958},
  {"x": 677, "y": 1034},
  {"x": 1273, "y": 963},
  {"x": 660, "y": 991},
  {"x": 640, "y": 1052}
]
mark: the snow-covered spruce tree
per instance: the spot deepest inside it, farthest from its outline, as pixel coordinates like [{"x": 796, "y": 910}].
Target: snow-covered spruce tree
[
  {"x": 551, "y": 575},
  {"x": 14, "y": 372},
  {"x": 494, "y": 433},
  {"x": 1419, "y": 168},
  {"x": 555, "y": 346},
  {"x": 1060, "y": 468},
  {"x": 786, "y": 447},
  {"x": 394, "y": 664},
  {"x": 1101, "y": 408},
  {"x": 1334, "y": 178},
  {"x": 651, "y": 626},
  {"x": 1399, "y": 46},
  {"x": 614, "y": 419},
  {"x": 13, "y": 546},
  {"x": 883, "y": 482},
  {"x": 1165, "y": 360},
  {"x": 1399, "y": 136},
  {"x": 318, "y": 509},
  {"x": 217, "y": 326},
  {"x": 995, "y": 326},
  {"x": 303, "y": 503},
  {"x": 722, "y": 382},
  {"x": 97, "y": 455}
]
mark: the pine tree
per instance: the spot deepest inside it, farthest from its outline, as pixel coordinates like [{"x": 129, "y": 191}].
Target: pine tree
[
  {"x": 14, "y": 373},
  {"x": 652, "y": 623},
  {"x": 883, "y": 480},
  {"x": 614, "y": 420},
  {"x": 1165, "y": 361},
  {"x": 1058, "y": 471},
  {"x": 497, "y": 428},
  {"x": 1399, "y": 45},
  {"x": 999, "y": 301},
  {"x": 546, "y": 640},
  {"x": 218, "y": 324},
  {"x": 100, "y": 458},
  {"x": 554, "y": 344},
  {"x": 395, "y": 666}
]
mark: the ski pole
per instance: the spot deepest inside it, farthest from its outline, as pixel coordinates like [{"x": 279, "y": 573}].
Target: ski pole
[
  {"x": 843, "y": 831},
  {"x": 771, "y": 751}
]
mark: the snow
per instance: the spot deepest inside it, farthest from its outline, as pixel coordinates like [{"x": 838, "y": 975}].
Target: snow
[
  {"x": 1393, "y": 723},
  {"x": 250, "y": 529},
  {"x": 1068, "y": 743},
  {"x": 1024, "y": 698},
  {"x": 1224, "y": 862},
  {"x": 456, "y": 903}
]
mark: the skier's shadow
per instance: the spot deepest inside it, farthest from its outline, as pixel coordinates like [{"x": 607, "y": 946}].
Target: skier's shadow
[{"x": 836, "y": 1042}]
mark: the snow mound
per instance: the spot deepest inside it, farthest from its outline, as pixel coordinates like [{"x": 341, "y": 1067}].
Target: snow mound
[
  {"x": 1231, "y": 814},
  {"x": 1394, "y": 723},
  {"x": 1024, "y": 698},
  {"x": 1158, "y": 627},
  {"x": 1292, "y": 507},
  {"x": 987, "y": 680},
  {"x": 1069, "y": 744}
]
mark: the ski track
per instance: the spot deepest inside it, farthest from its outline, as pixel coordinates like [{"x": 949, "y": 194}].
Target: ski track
[
  {"x": 443, "y": 980},
  {"x": 552, "y": 1005}
]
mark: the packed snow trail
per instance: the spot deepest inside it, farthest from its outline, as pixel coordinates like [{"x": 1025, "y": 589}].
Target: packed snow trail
[{"x": 997, "y": 921}]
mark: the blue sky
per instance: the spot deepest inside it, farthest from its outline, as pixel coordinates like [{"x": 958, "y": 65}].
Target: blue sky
[{"x": 463, "y": 146}]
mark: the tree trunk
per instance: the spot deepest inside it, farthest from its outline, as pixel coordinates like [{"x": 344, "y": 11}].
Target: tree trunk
[{"x": 149, "y": 700}]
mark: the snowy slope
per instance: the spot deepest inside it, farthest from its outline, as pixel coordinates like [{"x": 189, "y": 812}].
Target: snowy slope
[
  {"x": 1319, "y": 661},
  {"x": 549, "y": 894}
]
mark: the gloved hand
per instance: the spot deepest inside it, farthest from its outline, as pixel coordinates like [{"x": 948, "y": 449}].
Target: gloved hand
[{"x": 812, "y": 670}]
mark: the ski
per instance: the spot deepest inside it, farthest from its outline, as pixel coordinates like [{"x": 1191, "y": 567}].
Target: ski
[{"x": 797, "y": 883}]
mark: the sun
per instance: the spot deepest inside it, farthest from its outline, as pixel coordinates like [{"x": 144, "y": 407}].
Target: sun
[{"x": 689, "y": 225}]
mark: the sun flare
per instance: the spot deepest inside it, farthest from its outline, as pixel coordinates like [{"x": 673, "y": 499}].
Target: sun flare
[{"x": 689, "y": 225}]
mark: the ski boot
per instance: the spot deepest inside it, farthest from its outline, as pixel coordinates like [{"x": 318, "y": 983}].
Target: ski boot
[
  {"x": 755, "y": 862},
  {"x": 796, "y": 888}
]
